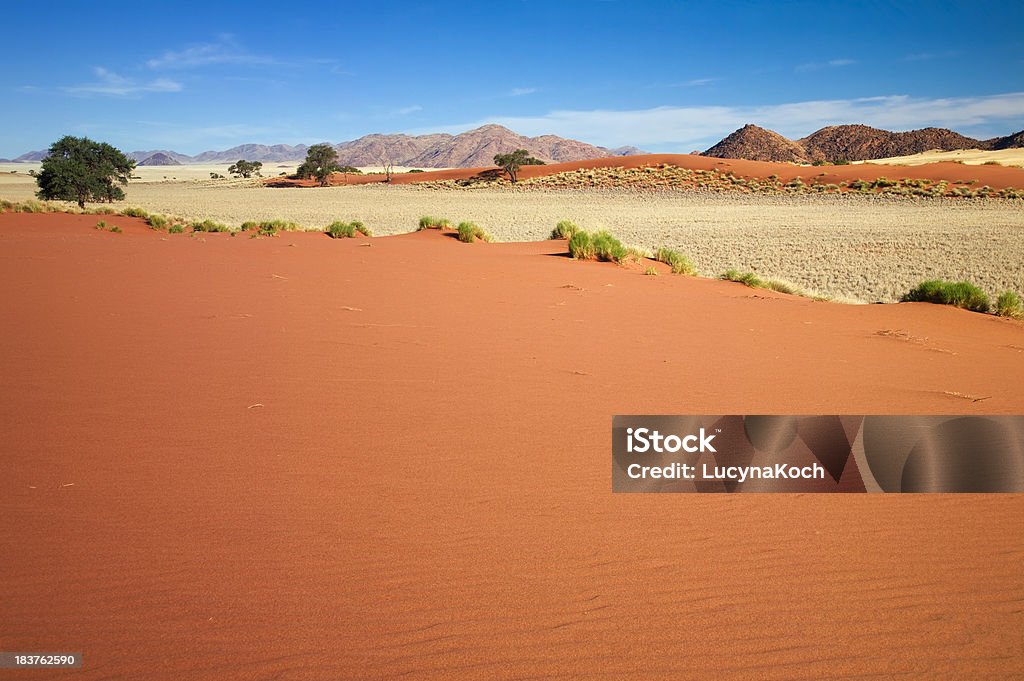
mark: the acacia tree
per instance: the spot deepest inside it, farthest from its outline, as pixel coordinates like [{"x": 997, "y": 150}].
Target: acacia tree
[
  {"x": 321, "y": 161},
  {"x": 79, "y": 169},
  {"x": 246, "y": 169},
  {"x": 511, "y": 163}
]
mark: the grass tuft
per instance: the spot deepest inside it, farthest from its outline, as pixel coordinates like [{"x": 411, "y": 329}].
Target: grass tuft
[
  {"x": 581, "y": 247},
  {"x": 564, "y": 230},
  {"x": 209, "y": 226},
  {"x": 1008, "y": 304},
  {"x": 430, "y": 222},
  {"x": 347, "y": 230},
  {"x": 469, "y": 232},
  {"x": 956, "y": 293},
  {"x": 679, "y": 263}
]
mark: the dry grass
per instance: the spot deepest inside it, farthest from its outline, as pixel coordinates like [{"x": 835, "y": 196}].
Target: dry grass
[{"x": 850, "y": 246}]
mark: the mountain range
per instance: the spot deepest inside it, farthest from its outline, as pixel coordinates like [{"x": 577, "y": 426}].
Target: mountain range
[
  {"x": 471, "y": 149},
  {"x": 848, "y": 143},
  {"x": 476, "y": 148}
]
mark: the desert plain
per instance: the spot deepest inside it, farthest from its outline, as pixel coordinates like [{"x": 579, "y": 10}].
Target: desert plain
[{"x": 293, "y": 457}]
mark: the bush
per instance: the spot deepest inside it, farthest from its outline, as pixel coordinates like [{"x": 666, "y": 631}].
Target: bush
[
  {"x": 469, "y": 232},
  {"x": 430, "y": 222},
  {"x": 580, "y": 246},
  {"x": 957, "y": 293},
  {"x": 101, "y": 225},
  {"x": 157, "y": 221},
  {"x": 679, "y": 263},
  {"x": 564, "y": 230},
  {"x": 606, "y": 247},
  {"x": 1008, "y": 304},
  {"x": 176, "y": 228},
  {"x": 347, "y": 230},
  {"x": 415, "y": 170},
  {"x": 134, "y": 213},
  {"x": 115, "y": 229},
  {"x": 209, "y": 226},
  {"x": 651, "y": 272}
]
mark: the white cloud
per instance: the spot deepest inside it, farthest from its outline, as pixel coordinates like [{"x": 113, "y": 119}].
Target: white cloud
[
  {"x": 520, "y": 91},
  {"x": 695, "y": 127},
  {"x": 832, "y": 63},
  {"x": 111, "y": 84},
  {"x": 406, "y": 110},
  {"x": 224, "y": 51}
]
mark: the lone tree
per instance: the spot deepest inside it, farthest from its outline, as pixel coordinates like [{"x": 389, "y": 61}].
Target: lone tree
[
  {"x": 321, "y": 161},
  {"x": 246, "y": 169},
  {"x": 79, "y": 169},
  {"x": 511, "y": 163}
]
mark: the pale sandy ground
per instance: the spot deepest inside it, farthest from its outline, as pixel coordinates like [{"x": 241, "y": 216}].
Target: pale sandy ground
[
  {"x": 971, "y": 157},
  {"x": 858, "y": 247},
  {"x": 190, "y": 172}
]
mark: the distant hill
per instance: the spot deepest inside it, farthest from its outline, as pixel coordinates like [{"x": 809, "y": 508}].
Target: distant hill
[
  {"x": 848, "y": 143},
  {"x": 1014, "y": 141},
  {"x": 471, "y": 149},
  {"x": 31, "y": 156},
  {"x": 862, "y": 143},
  {"x": 159, "y": 159},
  {"x": 758, "y": 144}
]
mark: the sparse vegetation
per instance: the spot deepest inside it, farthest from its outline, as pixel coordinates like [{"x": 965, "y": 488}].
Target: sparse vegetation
[
  {"x": 430, "y": 222},
  {"x": 115, "y": 229},
  {"x": 347, "y": 230},
  {"x": 176, "y": 228},
  {"x": 956, "y": 293},
  {"x": 209, "y": 226},
  {"x": 1008, "y": 304},
  {"x": 679, "y": 263},
  {"x": 102, "y": 224},
  {"x": 469, "y": 232},
  {"x": 651, "y": 272},
  {"x": 564, "y": 230}
]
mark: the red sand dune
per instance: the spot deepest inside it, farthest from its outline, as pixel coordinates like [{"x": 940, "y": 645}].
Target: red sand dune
[
  {"x": 997, "y": 177},
  {"x": 300, "y": 458}
]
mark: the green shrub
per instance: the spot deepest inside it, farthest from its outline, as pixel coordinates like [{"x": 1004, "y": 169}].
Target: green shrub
[
  {"x": 957, "y": 293},
  {"x": 415, "y": 170},
  {"x": 101, "y": 225},
  {"x": 134, "y": 213},
  {"x": 748, "y": 278},
  {"x": 679, "y": 263},
  {"x": 176, "y": 228},
  {"x": 564, "y": 230},
  {"x": 606, "y": 247},
  {"x": 1008, "y": 304},
  {"x": 347, "y": 230},
  {"x": 158, "y": 221},
  {"x": 115, "y": 229},
  {"x": 651, "y": 272},
  {"x": 580, "y": 246},
  {"x": 469, "y": 232},
  {"x": 209, "y": 226},
  {"x": 430, "y": 222}
]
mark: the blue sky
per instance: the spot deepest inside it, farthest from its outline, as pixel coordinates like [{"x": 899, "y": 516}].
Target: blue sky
[{"x": 664, "y": 76}]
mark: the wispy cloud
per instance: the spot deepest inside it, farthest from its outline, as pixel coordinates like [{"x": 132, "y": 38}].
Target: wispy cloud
[
  {"x": 688, "y": 128},
  {"x": 831, "y": 64},
  {"x": 406, "y": 110},
  {"x": 225, "y": 50},
  {"x": 520, "y": 91},
  {"x": 928, "y": 56},
  {"x": 111, "y": 84}
]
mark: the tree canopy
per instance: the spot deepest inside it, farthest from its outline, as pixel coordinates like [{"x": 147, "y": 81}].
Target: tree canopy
[
  {"x": 511, "y": 162},
  {"x": 80, "y": 169},
  {"x": 245, "y": 168},
  {"x": 321, "y": 161}
]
